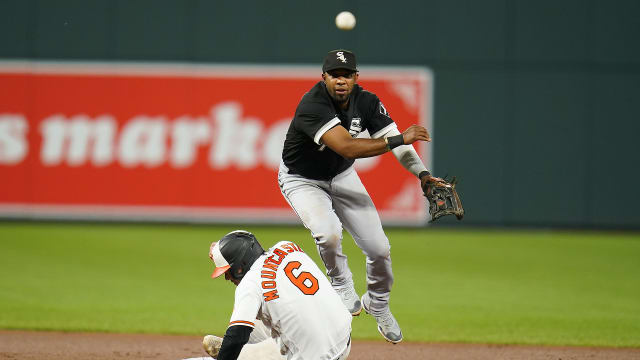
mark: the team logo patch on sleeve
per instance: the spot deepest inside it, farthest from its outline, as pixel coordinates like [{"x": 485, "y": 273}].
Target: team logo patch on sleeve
[{"x": 356, "y": 127}]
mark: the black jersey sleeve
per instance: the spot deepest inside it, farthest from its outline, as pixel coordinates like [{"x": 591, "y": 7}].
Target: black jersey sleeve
[
  {"x": 235, "y": 338},
  {"x": 379, "y": 121},
  {"x": 314, "y": 119}
]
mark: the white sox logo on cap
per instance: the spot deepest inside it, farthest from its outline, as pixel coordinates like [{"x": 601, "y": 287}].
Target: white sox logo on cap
[{"x": 339, "y": 59}]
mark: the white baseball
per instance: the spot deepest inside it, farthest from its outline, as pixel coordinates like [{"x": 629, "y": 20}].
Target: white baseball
[{"x": 345, "y": 20}]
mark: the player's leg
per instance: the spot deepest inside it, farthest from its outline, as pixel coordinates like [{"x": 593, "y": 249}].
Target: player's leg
[
  {"x": 345, "y": 353},
  {"x": 310, "y": 201},
  {"x": 260, "y": 346},
  {"x": 259, "y": 333},
  {"x": 356, "y": 210},
  {"x": 267, "y": 350},
  {"x": 358, "y": 214}
]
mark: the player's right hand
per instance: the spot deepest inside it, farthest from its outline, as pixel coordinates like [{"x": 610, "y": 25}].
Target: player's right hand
[
  {"x": 415, "y": 133},
  {"x": 211, "y": 345}
]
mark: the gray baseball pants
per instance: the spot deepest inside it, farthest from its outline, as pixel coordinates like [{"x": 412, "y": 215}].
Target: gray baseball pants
[{"x": 325, "y": 207}]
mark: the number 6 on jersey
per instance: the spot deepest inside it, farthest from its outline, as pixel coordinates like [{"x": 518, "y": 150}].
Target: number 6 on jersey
[{"x": 300, "y": 280}]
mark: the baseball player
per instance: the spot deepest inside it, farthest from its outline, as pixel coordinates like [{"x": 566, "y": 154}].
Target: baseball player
[
  {"x": 283, "y": 289},
  {"x": 317, "y": 179}
]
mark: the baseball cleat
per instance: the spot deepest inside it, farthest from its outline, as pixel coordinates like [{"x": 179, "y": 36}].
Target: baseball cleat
[
  {"x": 211, "y": 345},
  {"x": 388, "y": 327},
  {"x": 350, "y": 299}
]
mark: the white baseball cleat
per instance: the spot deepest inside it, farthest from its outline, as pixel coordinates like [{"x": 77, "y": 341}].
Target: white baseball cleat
[
  {"x": 350, "y": 299},
  {"x": 211, "y": 345},
  {"x": 388, "y": 327}
]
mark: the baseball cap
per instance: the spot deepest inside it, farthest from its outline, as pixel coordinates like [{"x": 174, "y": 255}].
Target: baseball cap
[{"x": 339, "y": 59}]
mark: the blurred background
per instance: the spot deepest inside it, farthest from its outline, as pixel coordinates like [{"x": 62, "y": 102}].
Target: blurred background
[{"x": 534, "y": 102}]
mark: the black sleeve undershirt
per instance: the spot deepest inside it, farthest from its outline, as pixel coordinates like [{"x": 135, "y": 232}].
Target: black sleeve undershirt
[{"x": 234, "y": 339}]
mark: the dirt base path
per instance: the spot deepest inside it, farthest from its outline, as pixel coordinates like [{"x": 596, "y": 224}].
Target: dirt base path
[{"x": 91, "y": 346}]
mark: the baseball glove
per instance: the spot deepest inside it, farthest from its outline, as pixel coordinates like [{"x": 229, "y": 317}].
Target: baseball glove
[{"x": 443, "y": 197}]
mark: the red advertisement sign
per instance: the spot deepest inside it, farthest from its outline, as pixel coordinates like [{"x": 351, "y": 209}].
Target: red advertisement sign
[{"x": 183, "y": 142}]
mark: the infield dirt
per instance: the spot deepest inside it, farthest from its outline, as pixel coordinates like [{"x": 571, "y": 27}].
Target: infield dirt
[{"x": 30, "y": 345}]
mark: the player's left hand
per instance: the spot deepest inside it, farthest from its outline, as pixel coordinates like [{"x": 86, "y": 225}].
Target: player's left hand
[
  {"x": 442, "y": 196},
  {"x": 428, "y": 179}
]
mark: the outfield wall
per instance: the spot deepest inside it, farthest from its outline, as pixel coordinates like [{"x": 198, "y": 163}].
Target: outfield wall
[
  {"x": 535, "y": 102},
  {"x": 178, "y": 142}
]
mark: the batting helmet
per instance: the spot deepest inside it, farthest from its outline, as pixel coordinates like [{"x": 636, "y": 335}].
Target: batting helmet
[{"x": 236, "y": 251}]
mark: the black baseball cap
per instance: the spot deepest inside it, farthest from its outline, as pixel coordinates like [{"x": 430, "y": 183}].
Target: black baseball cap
[{"x": 339, "y": 59}]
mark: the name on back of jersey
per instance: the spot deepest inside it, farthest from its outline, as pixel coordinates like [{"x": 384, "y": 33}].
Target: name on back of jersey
[{"x": 270, "y": 267}]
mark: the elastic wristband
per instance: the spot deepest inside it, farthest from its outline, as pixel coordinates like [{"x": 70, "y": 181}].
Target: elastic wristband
[{"x": 394, "y": 141}]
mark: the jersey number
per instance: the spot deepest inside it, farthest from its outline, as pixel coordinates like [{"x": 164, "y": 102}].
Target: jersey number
[{"x": 299, "y": 281}]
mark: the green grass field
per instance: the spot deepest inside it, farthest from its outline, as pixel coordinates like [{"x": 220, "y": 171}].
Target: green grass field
[{"x": 524, "y": 287}]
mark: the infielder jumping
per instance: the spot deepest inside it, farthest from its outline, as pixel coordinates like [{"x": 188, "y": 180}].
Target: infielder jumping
[
  {"x": 317, "y": 179},
  {"x": 283, "y": 289}
]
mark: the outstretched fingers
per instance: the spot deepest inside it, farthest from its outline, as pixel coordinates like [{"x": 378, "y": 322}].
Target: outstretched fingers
[{"x": 415, "y": 133}]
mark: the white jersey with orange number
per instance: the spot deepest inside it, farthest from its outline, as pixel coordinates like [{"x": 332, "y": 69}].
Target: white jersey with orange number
[{"x": 287, "y": 291}]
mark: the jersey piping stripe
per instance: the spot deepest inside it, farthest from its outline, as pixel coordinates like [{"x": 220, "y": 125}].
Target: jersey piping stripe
[
  {"x": 384, "y": 130},
  {"x": 333, "y": 122},
  {"x": 242, "y": 322}
]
